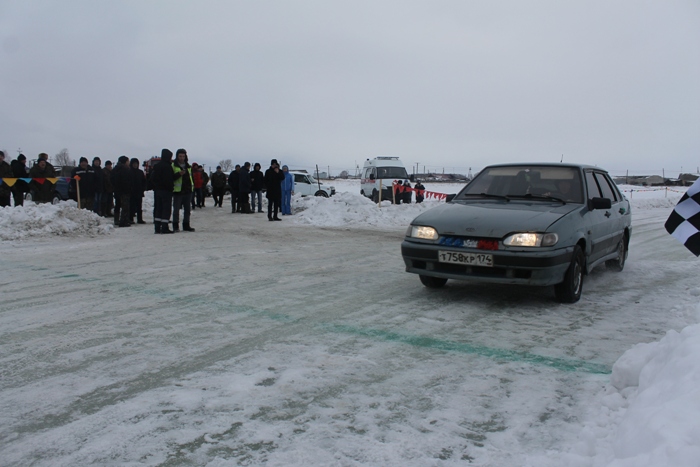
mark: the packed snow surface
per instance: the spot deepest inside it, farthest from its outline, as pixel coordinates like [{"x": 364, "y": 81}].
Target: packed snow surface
[{"x": 303, "y": 342}]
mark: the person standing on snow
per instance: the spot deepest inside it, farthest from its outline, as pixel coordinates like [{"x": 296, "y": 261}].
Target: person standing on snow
[
  {"x": 287, "y": 191},
  {"x": 43, "y": 191},
  {"x": 234, "y": 183},
  {"x": 273, "y": 179},
  {"x": 121, "y": 181},
  {"x": 198, "y": 180},
  {"x": 98, "y": 185},
  {"x": 244, "y": 188},
  {"x": 420, "y": 191},
  {"x": 163, "y": 181},
  {"x": 138, "y": 188},
  {"x": 108, "y": 195},
  {"x": 257, "y": 182},
  {"x": 182, "y": 191},
  {"x": 19, "y": 170},
  {"x": 218, "y": 186},
  {"x": 85, "y": 185},
  {"x": 5, "y": 172}
]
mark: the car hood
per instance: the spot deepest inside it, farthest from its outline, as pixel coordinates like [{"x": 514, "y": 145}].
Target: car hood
[{"x": 493, "y": 219}]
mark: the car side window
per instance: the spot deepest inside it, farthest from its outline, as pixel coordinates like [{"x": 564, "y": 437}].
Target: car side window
[
  {"x": 593, "y": 190},
  {"x": 613, "y": 187},
  {"x": 297, "y": 178},
  {"x": 605, "y": 187}
]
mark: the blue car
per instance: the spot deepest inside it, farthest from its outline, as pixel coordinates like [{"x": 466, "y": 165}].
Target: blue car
[
  {"x": 60, "y": 192},
  {"x": 530, "y": 224}
]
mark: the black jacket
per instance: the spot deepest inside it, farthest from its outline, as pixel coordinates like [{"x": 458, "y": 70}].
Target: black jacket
[
  {"x": 234, "y": 181},
  {"x": 19, "y": 170},
  {"x": 257, "y": 180},
  {"x": 121, "y": 179},
  {"x": 163, "y": 177},
  {"x": 138, "y": 182},
  {"x": 86, "y": 182},
  {"x": 98, "y": 179},
  {"x": 273, "y": 183},
  {"x": 245, "y": 181},
  {"x": 218, "y": 180}
]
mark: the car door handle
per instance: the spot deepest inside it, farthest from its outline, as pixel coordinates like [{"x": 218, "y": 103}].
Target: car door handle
[{"x": 607, "y": 214}]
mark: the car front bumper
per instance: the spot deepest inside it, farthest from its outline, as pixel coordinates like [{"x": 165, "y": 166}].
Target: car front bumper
[{"x": 510, "y": 267}]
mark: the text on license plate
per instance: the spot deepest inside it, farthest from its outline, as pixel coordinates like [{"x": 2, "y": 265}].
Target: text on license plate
[{"x": 471, "y": 259}]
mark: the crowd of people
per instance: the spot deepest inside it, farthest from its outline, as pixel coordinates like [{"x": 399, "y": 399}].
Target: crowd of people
[{"x": 178, "y": 186}]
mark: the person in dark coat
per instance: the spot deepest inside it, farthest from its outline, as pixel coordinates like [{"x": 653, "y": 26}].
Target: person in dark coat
[
  {"x": 205, "y": 180},
  {"x": 257, "y": 183},
  {"x": 108, "y": 195},
  {"x": 163, "y": 180},
  {"x": 20, "y": 170},
  {"x": 234, "y": 183},
  {"x": 138, "y": 187},
  {"x": 99, "y": 185},
  {"x": 420, "y": 191},
  {"x": 245, "y": 188},
  {"x": 218, "y": 186},
  {"x": 121, "y": 181},
  {"x": 43, "y": 189},
  {"x": 5, "y": 172},
  {"x": 83, "y": 183},
  {"x": 182, "y": 191},
  {"x": 407, "y": 192},
  {"x": 273, "y": 184}
]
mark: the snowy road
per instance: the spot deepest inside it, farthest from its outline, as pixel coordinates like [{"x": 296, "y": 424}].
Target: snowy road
[{"x": 250, "y": 342}]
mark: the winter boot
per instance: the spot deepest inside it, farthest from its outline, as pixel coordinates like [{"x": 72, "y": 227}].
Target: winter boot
[
  {"x": 139, "y": 219},
  {"x": 157, "y": 224},
  {"x": 164, "y": 228},
  {"x": 116, "y": 217},
  {"x": 176, "y": 226},
  {"x": 186, "y": 227}
]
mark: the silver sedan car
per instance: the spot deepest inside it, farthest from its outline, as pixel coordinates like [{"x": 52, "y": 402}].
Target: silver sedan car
[{"x": 531, "y": 224}]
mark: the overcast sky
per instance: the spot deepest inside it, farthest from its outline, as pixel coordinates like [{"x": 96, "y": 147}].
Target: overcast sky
[{"x": 453, "y": 84}]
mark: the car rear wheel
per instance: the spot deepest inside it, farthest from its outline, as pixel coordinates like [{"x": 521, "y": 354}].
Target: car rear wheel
[
  {"x": 619, "y": 263},
  {"x": 56, "y": 198},
  {"x": 569, "y": 291},
  {"x": 432, "y": 282},
  {"x": 375, "y": 196}
]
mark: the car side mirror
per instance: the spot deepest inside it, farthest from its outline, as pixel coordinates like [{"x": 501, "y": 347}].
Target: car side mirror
[
  {"x": 600, "y": 203},
  {"x": 450, "y": 197},
  {"x": 371, "y": 176}
]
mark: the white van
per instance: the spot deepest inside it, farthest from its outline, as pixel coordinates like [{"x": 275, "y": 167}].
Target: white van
[
  {"x": 306, "y": 185},
  {"x": 384, "y": 169}
]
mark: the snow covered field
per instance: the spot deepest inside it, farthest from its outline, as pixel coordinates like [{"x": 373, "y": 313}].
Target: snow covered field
[{"x": 304, "y": 342}]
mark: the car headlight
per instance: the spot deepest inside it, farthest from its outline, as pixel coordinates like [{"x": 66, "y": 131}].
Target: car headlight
[
  {"x": 531, "y": 239},
  {"x": 422, "y": 232}
]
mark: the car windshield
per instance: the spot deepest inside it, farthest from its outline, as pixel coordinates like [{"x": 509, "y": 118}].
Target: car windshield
[
  {"x": 311, "y": 178},
  {"x": 392, "y": 172},
  {"x": 526, "y": 181}
]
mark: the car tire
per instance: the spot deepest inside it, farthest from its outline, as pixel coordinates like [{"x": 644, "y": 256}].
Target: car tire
[
  {"x": 569, "y": 291},
  {"x": 321, "y": 193},
  {"x": 375, "y": 196},
  {"x": 432, "y": 282},
  {"x": 30, "y": 195},
  {"x": 56, "y": 198},
  {"x": 618, "y": 264}
]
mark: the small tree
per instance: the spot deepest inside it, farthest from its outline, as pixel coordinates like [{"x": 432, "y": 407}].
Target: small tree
[
  {"x": 343, "y": 174},
  {"x": 63, "y": 158},
  {"x": 226, "y": 165}
]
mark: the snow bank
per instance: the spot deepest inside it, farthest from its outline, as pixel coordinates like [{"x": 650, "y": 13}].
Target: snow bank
[
  {"x": 47, "y": 220},
  {"x": 355, "y": 210},
  {"x": 648, "y": 415}
]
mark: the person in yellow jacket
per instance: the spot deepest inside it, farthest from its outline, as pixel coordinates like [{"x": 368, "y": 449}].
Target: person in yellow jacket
[{"x": 182, "y": 191}]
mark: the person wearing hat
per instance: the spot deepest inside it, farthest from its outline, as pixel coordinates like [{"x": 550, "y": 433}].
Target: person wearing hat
[
  {"x": 273, "y": 183},
  {"x": 197, "y": 193},
  {"x": 218, "y": 186},
  {"x": 42, "y": 189},
  {"x": 5, "y": 172},
  {"x": 234, "y": 184},
  {"x": 420, "y": 191},
  {"x": 83, "y": 183},
  {"x": 163, "y": 181},
  {"x": 19, "y": 170},
  {"x": 245, "y": 188},
  {"x": 98, "y": 185},
  {"x": 287, "y": 191}
]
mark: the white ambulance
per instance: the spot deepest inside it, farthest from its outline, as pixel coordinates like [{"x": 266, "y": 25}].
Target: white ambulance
[{"x": 382, "y": 170}]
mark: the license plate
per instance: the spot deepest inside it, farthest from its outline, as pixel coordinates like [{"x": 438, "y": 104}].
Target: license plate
[{"x": 470, "y": 259}]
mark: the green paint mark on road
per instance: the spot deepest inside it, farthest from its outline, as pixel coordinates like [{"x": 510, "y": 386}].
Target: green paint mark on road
[{"x": 489, "y": 352}]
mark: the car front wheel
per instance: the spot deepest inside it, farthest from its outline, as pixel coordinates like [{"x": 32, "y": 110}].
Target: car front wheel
[
  {"x": 432, "y": 282},
  {"x": 569, "y": 291},
  {"x": 321, "y": 193}
]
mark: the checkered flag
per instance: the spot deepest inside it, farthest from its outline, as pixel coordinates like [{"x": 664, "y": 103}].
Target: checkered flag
[{"x": 684, "y": 221}]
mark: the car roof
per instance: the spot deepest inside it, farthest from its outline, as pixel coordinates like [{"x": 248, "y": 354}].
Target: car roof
[{"x": 548, "y": 164}]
